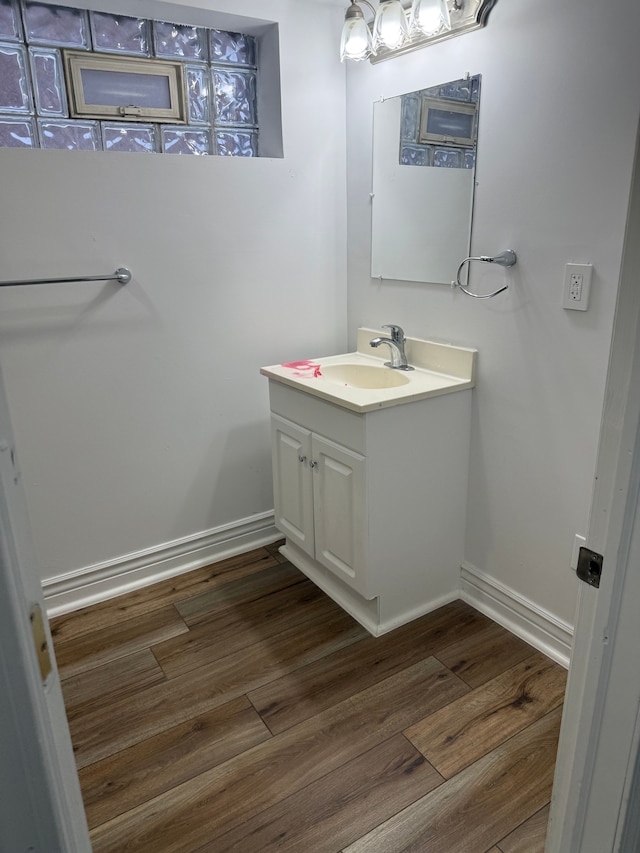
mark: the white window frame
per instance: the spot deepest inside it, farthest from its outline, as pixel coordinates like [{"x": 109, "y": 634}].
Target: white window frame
[{"x": 77, "y": 61}]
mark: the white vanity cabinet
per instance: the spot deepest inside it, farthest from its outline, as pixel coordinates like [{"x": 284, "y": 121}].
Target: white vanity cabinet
[
  {"x": 320, "y": 499},
  {"x": 372, "y": 504}
]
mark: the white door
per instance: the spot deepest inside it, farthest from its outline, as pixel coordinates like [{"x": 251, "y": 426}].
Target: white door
[
  {"x": 40, "y": 805},
  {"x": 339, "y": 508},
  {"x": 597, "y": 771},
  {"x": 292, "y": 486}
]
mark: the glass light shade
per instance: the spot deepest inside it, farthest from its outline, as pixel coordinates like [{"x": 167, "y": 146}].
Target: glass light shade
[
  {"x": 356, "y": 40},
  {"x": 430, "y": 16},
  {"x": 390, "y": 29}
]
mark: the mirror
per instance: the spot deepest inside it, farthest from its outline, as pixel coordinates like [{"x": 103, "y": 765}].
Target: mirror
[{"x": 424, "y": 156}]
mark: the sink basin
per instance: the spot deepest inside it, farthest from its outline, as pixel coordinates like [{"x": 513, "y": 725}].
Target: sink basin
[
  {"x": 360, "y": 381},
  {"x": 364, "y": 376}
]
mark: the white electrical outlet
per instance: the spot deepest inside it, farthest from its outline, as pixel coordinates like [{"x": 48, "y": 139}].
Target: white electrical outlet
[{"x": 577, "y": 285}]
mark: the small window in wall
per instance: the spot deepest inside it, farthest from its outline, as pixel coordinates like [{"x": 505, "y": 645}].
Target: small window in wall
[
  {"x": 85, "y": 80},
  {"x": 137, "y": 89}
]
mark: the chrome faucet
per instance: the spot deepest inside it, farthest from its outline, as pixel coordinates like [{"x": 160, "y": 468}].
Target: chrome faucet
[{"x": 396, "y": 347}]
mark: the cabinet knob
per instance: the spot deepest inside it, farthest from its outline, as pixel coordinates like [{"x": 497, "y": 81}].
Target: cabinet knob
[
  {"x": 313, "y": 464},
  {"x": 302, "y": 459}
]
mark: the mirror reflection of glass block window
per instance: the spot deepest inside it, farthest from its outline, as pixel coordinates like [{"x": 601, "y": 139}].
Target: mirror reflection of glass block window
[
  {"x": 38, "y": 109},
  {"x": 410, "y": 119},
  {"x": 438, "y": 126},
  {"x": 447, "y": 158}
]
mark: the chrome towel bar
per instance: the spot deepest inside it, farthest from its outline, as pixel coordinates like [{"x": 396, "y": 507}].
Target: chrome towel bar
[
  {"x": 505, "y": 259},
  {"x": 122, "y": 274}
]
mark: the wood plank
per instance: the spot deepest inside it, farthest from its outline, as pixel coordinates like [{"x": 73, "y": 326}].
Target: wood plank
[
  {"x": 108, "y": 683},
  {"x": 104, "y": 731},
  {"x": 243, "y": 625},
  {"x": 481, "y": 804},
  {"x": 133, "y": 604},
  {"x": 488, "y": 654},
  {"x": 274, "y": 549},
  {"x": 340, "y": 807},
  {"x": 201, "y": 607},
  {"x": 107, "y": 644},
  {"x": 459, "y": 734},
  {"x": 143, "y": 771},
  {"x": 195, "y": 813},
  {"x": 529, "y": 837},
  {"x": 170, "y": 753},
  {"x": 297, "y": 696}
]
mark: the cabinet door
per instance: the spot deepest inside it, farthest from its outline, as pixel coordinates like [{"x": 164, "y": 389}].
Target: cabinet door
[
  {"x": 340, "y": 511},
  {"x": 292, "y": 484}
]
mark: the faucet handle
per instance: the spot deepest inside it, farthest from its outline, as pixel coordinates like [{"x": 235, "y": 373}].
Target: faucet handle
[{"x": 397, "y": 332}]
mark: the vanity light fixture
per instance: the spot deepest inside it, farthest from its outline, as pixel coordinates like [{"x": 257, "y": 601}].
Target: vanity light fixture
[
  {"x": 395, "y": 29},
  {"x": 390, "y": 26},
  {"x": 356, "y": 42},
  {"x": 430, "y": 16}
]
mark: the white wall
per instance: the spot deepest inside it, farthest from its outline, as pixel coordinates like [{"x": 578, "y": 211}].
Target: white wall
[
  {"x": 139, "y": 413},
  {"x": 558, "y": 123}
]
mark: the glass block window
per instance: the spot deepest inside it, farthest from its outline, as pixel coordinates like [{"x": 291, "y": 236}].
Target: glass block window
[
  {"x": 48, "y": 81},
  {"x": 75, "y": 136},
  {"x": 37, "y": 110},
  {"x": 44, "y": 24},
  {"x": 15, "y": 90},
  {"x": 186, "y": 140},
  {"x": 234, "y": 96},
  {"x": 233, "y": 48},
  {"x": 135, "y": 138},
  {"x": 17, "y": 133},
  {"x": 455, "y": 103},
  {"x": 198, "y": 94},
  {"x": 120, "y": 34},
  {"x": 237, "y": 143},
  {"x": 10, "y": 21},
  {"x": 171, "y": 40}
]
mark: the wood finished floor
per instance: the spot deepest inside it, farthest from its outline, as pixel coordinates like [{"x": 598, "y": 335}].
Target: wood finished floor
[{"x": 237, "y": 708}]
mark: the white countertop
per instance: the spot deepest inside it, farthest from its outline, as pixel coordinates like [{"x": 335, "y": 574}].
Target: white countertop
[{"x": 439, "y": 369}]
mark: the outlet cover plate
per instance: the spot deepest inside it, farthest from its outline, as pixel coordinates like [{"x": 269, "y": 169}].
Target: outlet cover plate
[{"x": 576, "y": 287}]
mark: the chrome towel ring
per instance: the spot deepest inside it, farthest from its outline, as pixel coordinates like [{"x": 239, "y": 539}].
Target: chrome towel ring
[{"x": 505, "y": 259}]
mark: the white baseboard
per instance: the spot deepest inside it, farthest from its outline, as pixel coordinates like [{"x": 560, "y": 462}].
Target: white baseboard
[
  {"x": 370, "y": 613},
  {"x": 101, "y": 581},
  {"x": 532, "y": 624},
  {"x": 406, "y": 616}
]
